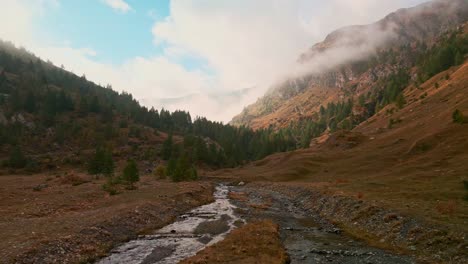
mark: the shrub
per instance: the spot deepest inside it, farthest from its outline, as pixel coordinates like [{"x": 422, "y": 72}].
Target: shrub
[
  {"x": 102, "y": 162},
  {"x": 160, "y": 172},
  {"x": 130, "y": 173},
  {"x": 193, "y": 174},
  {"x": 458, "y": 117},
  {"x": 109, "y": 188}
]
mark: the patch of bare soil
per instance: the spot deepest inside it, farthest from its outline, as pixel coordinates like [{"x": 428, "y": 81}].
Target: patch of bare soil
[
  {"x": 58, "y": 218},
  {"x": 256, "y": 242}
]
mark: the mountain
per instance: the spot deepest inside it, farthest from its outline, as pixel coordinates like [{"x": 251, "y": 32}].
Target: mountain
[
  {"x": 409, "y": 163},
  {"x": 51, "y": 118},
  {"x": 353, "y": 62}
]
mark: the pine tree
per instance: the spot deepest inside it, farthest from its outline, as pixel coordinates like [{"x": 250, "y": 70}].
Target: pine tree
[
  {"x": 400, "y": 101},
  {"x": 459, "y": 58},
  {"x": 130, "y": 173},
  {"x": 102, "y": 162},
  {"x": 166, "y": 151},
  {"x": 193, "y": 174},
  {"x": 171, "y": 167},
  {"x": 17, "y": 159},
  {"x": 30, "y": 103},
  {"x": 458, "y": 117},
  {"x": 4, "y": 88}
]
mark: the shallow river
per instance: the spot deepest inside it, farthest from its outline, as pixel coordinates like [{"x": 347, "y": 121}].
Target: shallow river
[
  {"x": 193, "y": 231},
  {"x": 307, "y": 238}
]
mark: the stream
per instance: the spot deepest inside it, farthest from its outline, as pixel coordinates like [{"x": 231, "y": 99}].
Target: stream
[
  {"x": 193, "y": 231},
  {"x": 307, "y": 238}
]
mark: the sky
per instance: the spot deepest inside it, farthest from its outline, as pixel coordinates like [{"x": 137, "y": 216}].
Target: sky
[{"x": 210, "y": 57}]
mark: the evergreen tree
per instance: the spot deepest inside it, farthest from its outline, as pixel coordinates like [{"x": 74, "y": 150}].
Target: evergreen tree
[
  {"x": 193, "y": 174},
  {"x": 400, "y": 101},
  {"x": 171, "y": 167},
  {"x": 30, "y": 103},
  {"x": 182, "y": 169},
  {"x": 459, "y": 58},
  {"x": 167, "y": 147},
  {"x": 17, "y": 159},
  {"x": 458, "y": 117},
  {"x": 130, "y": 173},
  {"x": 4, "y": 88},
  {"x": 102, "y": 162}
]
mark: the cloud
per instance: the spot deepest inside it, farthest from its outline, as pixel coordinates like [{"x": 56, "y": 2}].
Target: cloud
[
  {"x": 255, "y": 43},
  {"x": 245, "y": 44},
  {"x": 119, "y": 5}
]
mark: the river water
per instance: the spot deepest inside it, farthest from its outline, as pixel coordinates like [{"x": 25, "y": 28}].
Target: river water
[
  {"x": 307, "y": 238},
  {"x": 193, "y": 231}
]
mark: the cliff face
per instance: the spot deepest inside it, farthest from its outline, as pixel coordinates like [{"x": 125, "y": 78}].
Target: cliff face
[{"x": 351, "y": 61}]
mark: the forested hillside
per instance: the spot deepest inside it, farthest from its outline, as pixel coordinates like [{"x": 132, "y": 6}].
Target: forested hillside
[{"x": 51, "y": 117}]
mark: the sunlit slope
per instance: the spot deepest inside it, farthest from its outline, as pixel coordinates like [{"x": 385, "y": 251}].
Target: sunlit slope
[{"x": 415, "y": 163}]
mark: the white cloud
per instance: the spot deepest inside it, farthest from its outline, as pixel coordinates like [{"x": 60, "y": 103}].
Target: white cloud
[
  {"x": 254, "y": 43},
  {"x": 119, "y": 5},
  {"x": 245, "y": 43}
]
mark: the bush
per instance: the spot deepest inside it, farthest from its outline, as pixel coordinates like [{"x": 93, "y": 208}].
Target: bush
[
  {"x": 458, "y": 117},
  {"x": 109, "y": 188},
  {"x": 130, "y": 173},
  {"x": 181, "y": 170},
  {"x": 102, "y": 162},
  {"x": 160, "y": 172}
]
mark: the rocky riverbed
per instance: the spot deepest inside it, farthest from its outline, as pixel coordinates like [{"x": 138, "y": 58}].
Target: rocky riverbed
[
  {"x": 307, "y": 237},
  {"x": 306, "y": 231},
  {"x": 193, "y": 231}
]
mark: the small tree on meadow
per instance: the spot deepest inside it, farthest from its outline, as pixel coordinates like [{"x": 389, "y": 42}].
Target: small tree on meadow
[
  {"x": 130, "y": 173},
  {"x": 101, "y": 162},
  {"x": 458, "y": 117},
  {"x": 160, "y": 172}
]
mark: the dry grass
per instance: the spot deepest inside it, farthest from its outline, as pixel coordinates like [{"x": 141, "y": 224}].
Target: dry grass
[
  {"x": 29, "y": 218},
  {"x": 239, "y": 196},
  {"x": 254, "y": 243}
]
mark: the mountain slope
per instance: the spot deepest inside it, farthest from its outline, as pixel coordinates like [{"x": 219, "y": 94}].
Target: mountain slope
[
  {"x": 410, "y": 161},
  {"x": 351, "y": 61}
]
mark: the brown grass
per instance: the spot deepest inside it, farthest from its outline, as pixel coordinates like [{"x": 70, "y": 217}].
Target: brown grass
[
  {"x": 29, "y": 219},
  {"x": 239, "y": 196},
  {"x": 254, "y": 243}
]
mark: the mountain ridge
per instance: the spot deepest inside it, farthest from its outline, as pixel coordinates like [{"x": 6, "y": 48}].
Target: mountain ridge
[{"x": 428, "y": 25}]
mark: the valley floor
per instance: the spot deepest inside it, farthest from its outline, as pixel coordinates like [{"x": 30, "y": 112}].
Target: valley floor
[{"x": 56, "y": 218}]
